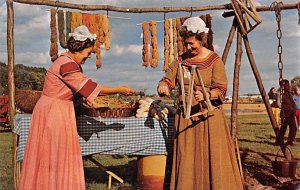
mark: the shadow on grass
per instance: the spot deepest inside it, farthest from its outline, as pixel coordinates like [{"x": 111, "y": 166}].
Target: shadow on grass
[
  {"x": 257, "y": 141},
  {"x": 270, "y": 141},
  {"x": 255, "y": 123},
  {"x": 127, "y": 172},
  {"x": 5, "y": 129}
]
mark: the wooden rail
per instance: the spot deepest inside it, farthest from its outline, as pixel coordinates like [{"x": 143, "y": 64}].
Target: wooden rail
[{"x": 145, "y": 10}]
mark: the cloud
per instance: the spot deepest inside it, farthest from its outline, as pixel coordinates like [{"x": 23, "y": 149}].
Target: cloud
[
  {"x": 120, "y": 50},
  {"x": 33, "y": 59}
]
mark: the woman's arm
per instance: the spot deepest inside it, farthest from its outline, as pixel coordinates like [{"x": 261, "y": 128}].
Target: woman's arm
[
  {"x": 125, "y": 90},
  {"x": 168, "y": 81}
]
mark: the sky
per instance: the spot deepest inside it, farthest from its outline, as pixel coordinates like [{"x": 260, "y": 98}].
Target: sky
[{"x": 122, "y": 64}]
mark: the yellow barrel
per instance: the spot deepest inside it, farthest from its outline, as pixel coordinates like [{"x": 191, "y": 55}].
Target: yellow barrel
[{"x": 151, "y": 172}]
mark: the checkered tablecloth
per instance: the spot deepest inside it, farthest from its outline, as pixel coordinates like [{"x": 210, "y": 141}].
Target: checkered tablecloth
[{"x": 127, "y": 136}]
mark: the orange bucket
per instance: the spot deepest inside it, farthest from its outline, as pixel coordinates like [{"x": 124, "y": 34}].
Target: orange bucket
[{"x": 151, "y": 172}]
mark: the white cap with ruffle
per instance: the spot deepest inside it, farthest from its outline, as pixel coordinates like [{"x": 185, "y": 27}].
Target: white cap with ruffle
[
  {"x": 195, "y": 25},
  {"x": 81, "y": 33}
]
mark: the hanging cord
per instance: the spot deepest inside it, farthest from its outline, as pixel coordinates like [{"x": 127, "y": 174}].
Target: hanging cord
[
  {"x": 277, "y": 7},
  {"x": 57, "y": 6},
  {"x": 191, "y": 12},
  {"x": 298, "y": 12}
]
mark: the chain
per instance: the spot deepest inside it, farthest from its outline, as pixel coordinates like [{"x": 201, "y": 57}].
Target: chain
[{"x": 277, "y": 7}]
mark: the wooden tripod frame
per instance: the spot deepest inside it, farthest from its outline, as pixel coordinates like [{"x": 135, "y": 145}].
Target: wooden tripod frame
[{"x": 187, "y": 106}]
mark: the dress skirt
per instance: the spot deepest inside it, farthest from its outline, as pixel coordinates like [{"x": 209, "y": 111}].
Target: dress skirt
[
  {"x": 52, "y": 157},
  {"x": 204, "y": 157}
]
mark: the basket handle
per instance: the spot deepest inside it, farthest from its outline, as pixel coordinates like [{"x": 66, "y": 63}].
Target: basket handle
[{"x": 289, "y": 151}]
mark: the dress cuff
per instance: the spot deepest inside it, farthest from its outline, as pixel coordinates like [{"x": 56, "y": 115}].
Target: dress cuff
[{"x": 94, "y": 94}]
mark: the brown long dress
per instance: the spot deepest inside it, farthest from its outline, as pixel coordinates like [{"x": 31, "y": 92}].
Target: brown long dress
[{"x": 203, "y": 156}]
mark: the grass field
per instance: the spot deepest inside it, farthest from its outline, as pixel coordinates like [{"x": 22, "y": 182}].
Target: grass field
[{"x": 257, "y": 149}]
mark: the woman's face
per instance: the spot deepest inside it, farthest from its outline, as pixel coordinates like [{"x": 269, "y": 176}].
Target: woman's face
[
  {"x": 193, "y": 45},
  {"x": 83, "y": 55}
]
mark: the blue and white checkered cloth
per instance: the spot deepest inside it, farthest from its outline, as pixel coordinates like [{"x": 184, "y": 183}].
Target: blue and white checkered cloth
[{"x": 124, "y": 136}]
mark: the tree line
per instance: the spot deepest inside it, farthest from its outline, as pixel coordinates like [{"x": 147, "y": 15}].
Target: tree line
[{"x": 29, "y": 78}]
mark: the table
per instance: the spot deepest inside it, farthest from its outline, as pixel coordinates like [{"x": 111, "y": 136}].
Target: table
[
  {"x": 128, "y": 136},
  {"x": 123, "y": 136}
]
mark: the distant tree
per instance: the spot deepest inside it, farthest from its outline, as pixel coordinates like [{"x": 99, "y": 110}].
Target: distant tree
[{"x": 31, "y": 78}]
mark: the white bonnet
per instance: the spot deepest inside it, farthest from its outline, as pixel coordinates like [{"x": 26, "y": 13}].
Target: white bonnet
[
  {"x": 195, "y": 25},
  {"x": 81, "y": 33}
]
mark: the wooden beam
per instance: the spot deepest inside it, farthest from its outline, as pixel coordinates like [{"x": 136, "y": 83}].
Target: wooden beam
[{"x": 82, "y": 7}]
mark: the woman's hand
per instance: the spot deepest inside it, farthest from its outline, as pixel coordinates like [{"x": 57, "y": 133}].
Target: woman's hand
[
  {"x": 125, "y": 90},
  {"x": 163, "y": 89},
  {"x": 199, "y": 95}
]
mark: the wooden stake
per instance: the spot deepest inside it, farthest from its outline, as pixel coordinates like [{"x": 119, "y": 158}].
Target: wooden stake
[{"x": 240, "y": 162}]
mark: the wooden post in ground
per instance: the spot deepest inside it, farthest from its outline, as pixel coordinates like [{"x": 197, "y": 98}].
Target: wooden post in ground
[{"x": 11, "y": 83}]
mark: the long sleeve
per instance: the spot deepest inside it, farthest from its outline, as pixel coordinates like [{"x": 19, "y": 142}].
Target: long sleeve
[
  {"x": 171, "y": 74},
  {"x": 219, "y": 79},
  {"x": 73, "y": 77}
]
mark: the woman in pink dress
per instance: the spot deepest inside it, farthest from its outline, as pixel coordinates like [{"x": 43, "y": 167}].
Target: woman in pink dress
[{"x": 53, "y": 157}]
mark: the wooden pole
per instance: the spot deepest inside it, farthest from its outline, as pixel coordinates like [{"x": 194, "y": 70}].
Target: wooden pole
[
  {"x": 264, "y": 95},
  {"x": 235, "y": 93},
  {"x": 229, "y": 40},
  {"x": 239, "y": 16},
  {"x": 11, "y": 82}
]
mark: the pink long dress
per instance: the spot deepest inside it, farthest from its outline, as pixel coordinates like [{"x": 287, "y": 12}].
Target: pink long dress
[{"x": 52, "y": 157}]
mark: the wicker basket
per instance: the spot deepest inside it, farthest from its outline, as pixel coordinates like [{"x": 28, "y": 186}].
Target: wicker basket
[
  {"x": 113, "y": 112},
  {"x": 26, "y": 99}
]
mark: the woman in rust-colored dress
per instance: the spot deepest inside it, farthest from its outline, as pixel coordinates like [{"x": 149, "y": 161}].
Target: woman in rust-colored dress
[
  {"x": 53, "y": 157},
  {"x": 203, "y": 156}
]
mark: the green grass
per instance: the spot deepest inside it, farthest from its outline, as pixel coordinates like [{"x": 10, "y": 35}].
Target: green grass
[
  {"x": 256, "y": 142},
  {"x": 6, "y": 169},
  {"x": 257, "y": 149}
]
